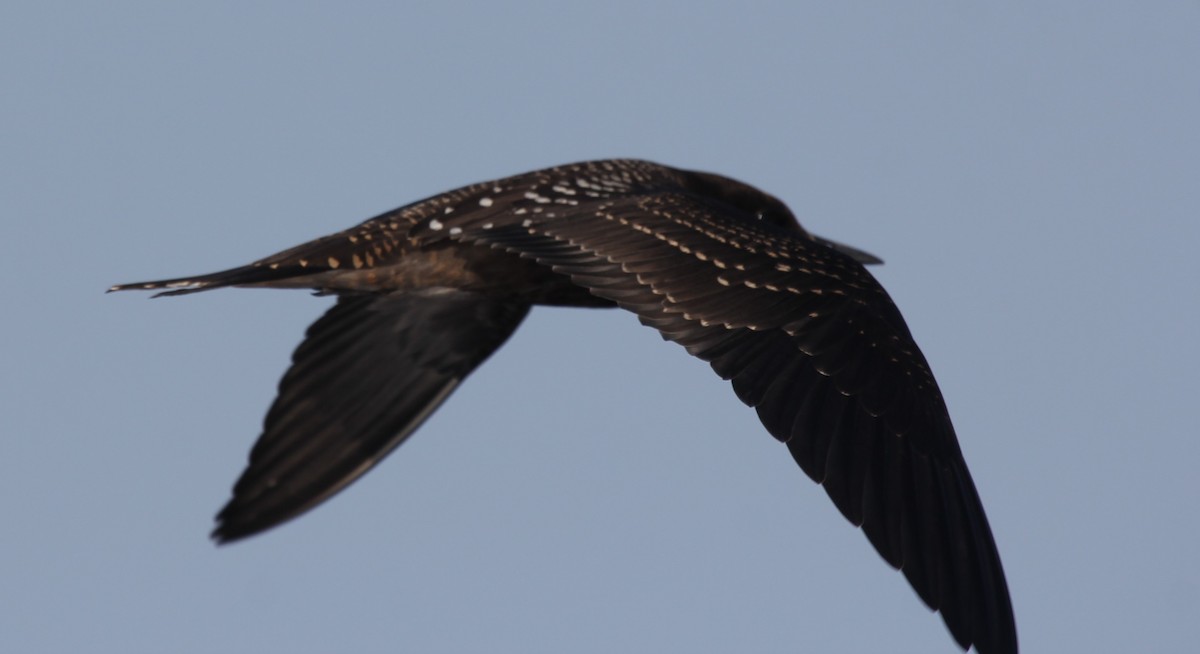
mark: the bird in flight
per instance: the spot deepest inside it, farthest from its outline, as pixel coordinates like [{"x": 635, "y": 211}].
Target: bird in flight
[{"x": 425, "y": 293}]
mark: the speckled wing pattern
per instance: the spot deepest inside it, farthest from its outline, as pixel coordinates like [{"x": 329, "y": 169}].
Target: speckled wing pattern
[
  {"x": 806, "y": 336},
  {"x": 804, "y": 333}
]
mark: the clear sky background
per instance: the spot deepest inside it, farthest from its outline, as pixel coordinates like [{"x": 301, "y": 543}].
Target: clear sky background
[{"x": 1030, "y": 174}]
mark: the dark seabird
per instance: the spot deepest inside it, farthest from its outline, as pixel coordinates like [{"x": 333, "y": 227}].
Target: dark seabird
[{"x": 425, "y": 293}]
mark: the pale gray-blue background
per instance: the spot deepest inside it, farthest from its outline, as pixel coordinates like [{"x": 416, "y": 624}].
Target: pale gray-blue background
[{"x": 1031, "y": 175}]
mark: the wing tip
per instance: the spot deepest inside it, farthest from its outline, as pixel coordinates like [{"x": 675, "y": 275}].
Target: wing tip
[
  {"x": 220, "y": 535},
  {"x": 230, "y": 528}
]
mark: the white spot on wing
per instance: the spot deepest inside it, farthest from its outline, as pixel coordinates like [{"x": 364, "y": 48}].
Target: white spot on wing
[
  {"x": 436, "y": 225},
  {"x": 485, "y": 202}
]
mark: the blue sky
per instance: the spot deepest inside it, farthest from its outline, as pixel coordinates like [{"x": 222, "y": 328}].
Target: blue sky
[{"x": 1030, "y": 175}]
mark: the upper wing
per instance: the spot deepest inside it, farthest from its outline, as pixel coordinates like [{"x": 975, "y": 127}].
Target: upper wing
[
  {"x": 368, "y": 373},
  {"x": 806, "y": 335}
]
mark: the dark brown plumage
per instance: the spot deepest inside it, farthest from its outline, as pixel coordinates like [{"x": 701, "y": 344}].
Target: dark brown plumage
[{"x": 805, "y": 334}]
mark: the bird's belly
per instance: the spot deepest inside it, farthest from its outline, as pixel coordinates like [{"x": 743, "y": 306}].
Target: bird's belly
[{"x": 453, "y": 266}]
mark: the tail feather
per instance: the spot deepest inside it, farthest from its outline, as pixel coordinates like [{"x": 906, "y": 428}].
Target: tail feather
[{"x": 240, "y": 276}]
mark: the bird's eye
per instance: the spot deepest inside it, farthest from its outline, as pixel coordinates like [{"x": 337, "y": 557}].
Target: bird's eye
[{"x": 770, "y": 217}]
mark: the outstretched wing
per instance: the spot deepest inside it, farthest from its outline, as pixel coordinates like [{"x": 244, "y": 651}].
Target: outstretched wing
[
  {"x": 368, "y": 373},
  {"x": 805, "y": 334}
]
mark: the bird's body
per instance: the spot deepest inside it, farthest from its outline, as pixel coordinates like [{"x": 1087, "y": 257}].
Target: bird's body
[{"x": 806, "y": 335}]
